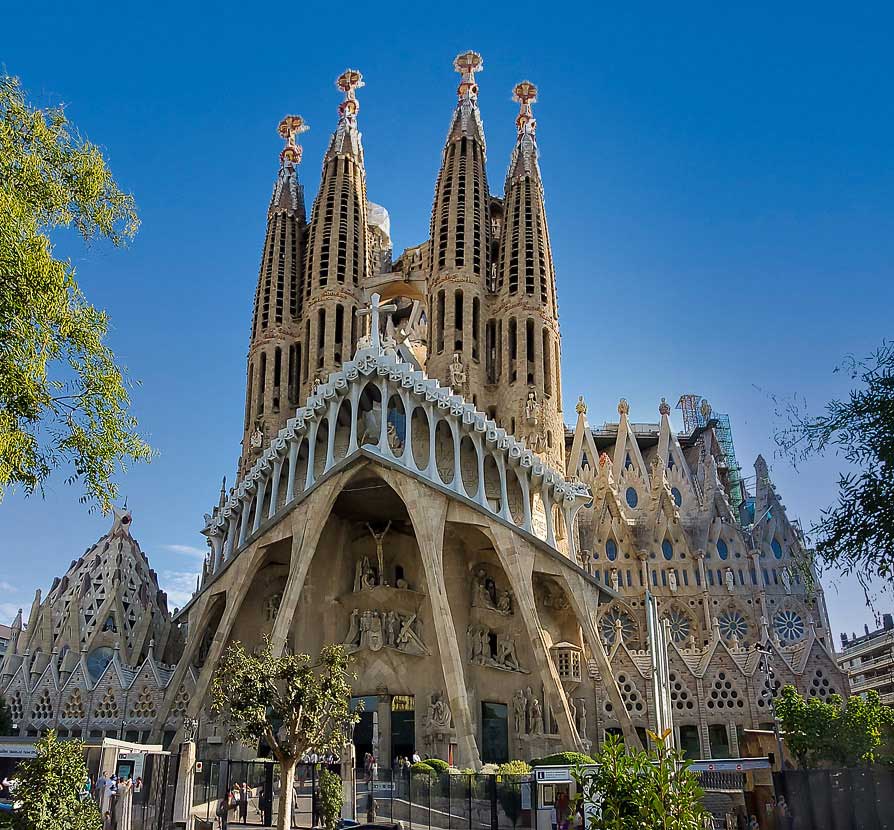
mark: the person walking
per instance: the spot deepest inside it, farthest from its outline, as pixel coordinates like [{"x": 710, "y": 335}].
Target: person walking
[{"x": 243, "y": 803}]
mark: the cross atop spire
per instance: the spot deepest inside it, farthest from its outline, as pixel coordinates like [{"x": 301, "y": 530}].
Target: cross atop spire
[
  {"x": 467, "y": 64},
  {"x": 525, "y": 94},
  {"x": 348, "y": 82},
  {"x": 376, "y": 307},
  {"x": 289, "y": 127}
]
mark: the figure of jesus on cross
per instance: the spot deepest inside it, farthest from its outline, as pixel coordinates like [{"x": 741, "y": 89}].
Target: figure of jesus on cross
[{"x": 374, "y": 311}]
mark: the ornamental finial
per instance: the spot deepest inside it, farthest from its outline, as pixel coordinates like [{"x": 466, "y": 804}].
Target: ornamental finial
[
  {"x": 623, "y": 407},
  {"x": 581, "y": 408},
  {"x": 289, "y": 127},
  {"x": 467, "y": 64},
  {"x": 664, "y": 407},
  {"x": 349, "y": 82},
  {"x": 525, "y": 94}
]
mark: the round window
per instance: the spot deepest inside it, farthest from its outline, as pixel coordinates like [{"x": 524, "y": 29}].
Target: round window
[{"x": 632, "y": 498}]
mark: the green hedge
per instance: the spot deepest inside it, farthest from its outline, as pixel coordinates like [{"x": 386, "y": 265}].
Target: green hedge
[
  {"x": 437, "y": 765},
  {"x": 560, "y": 759},
  {"x": 423, "y": 768}
]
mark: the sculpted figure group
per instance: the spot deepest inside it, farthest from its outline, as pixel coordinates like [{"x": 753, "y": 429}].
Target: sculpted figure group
[{"x": 376, "y": 630}]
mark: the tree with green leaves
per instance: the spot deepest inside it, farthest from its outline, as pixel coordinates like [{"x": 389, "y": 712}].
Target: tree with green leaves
[
  {"x": 291, "y": 702},
  {"x": 633, "y": 789},
  {"x": 64, "y": 401},
  {"x": 5, "y": 718},
  {"x": 834, "y": 732},
  {"x": 856, "y": 535},
  {"x": 50, "y": 789}
]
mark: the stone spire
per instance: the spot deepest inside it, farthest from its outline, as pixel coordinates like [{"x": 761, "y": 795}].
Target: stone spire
[
  {"x": 337, "y": 245},
  {"x": 275, "y": 347},
  {"x": 527, "y": 338},
  {"x": 459, "y": 244}
]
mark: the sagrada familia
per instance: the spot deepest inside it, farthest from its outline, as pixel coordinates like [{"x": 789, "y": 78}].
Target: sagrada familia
[{"x": 408, "y": 487}]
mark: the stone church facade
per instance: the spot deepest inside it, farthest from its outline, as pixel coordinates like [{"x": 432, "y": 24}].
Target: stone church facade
[{"x": 407, "y": 486}]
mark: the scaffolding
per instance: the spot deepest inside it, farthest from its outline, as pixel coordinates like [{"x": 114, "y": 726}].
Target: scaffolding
[{"x": 697, "y": 414}]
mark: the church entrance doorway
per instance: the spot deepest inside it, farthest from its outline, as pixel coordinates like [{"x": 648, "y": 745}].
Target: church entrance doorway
[
  {"x": 366, "y": 730},
  {"x": 403, "y": 727}
]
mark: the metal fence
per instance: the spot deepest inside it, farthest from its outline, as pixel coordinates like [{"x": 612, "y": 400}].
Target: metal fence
[
  {"x": 447, "y": 802},
  {"x": 856, "y": 798},
  {"x": 153, "y": 805}
]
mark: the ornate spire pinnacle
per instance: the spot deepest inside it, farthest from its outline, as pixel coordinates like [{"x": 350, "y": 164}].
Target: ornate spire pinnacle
[
  {"x": 289, "y": 127},
  {"x": 525, "y": 94},
  {"x": 346, "y": 138},
  {"x": 348, "y": 82},
  {"x": 467, "y": 64}
]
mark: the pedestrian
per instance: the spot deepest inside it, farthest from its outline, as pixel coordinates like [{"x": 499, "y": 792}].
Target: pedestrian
[
  {"x": 753, "y": 823},
  {"x": 261, "y": 794},
  {"x": 222, "y": 811},
  {"x": 243, "y": 803},
  {"x": 370, "y": 808},
  {"x": 138, "y": 784},
  {"x": 99, "y": 790}
]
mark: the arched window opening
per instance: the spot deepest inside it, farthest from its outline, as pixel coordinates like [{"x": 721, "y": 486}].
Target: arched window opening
[
  {"x": 513, "y": 351},
  {"x": 490, "y": 350},
  {"x": 439, "y": 323},
  {"x": 547, "y": 366},
  {"x": 339, "y": 333},
  {"x": 476, "y": 322},
  {"x": 321, "y": 337},
  {"x": 458, "y": 321},
  {"x": 262, "y": 382},
  {"x": 277, "y": 376},
  {"x": 529, "y": 350}
]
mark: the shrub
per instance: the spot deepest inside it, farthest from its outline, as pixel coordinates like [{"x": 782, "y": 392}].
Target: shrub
[
  {"x": 330, "y": 799},
  {"x": 437, "y": 765},
  {"x": 559, "y": 759},
  {"x": 422, "y": 768},
  {"x": 514, "y": 768}
]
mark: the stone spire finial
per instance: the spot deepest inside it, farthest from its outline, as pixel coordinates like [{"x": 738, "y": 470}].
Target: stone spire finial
[
  {"x": 525, "y": 94},
  {"x": 580, "y": 408},
  {"x": 290, "y": 127},
  {"x": 349, "y": 82},
  {"x": 623, "y": 407},
  {"x": 467, "y": 64},
  {"x": 664, "y": 407}
]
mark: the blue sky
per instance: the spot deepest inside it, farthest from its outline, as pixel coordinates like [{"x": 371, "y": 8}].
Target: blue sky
[{"x": 719, "y": 192}]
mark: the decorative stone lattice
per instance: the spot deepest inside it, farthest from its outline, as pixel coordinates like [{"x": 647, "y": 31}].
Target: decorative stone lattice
[
  {"x": 144, "y": 705},
  {"x": 681, "y": 697},
  {"x": 181, "y": 702},
  {"x": 788, "y": 625},
  {"x": 74, "y": 708},
  {"x": 723, "y": 695},
  {"x": 679, "y": 624},
  {"x": 733, "y": 624},
  {"x": 820, "y": 685},
  {"x": 43, "y": 708},
  {"x": 607, "y": 625},
  {"x": 633, "y": 700},
  {"x": 16, "y": 708},
  {"x": 107, "y": 708}
]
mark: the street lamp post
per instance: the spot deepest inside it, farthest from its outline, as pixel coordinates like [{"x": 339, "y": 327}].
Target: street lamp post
[{"x": 767, "y": 693}]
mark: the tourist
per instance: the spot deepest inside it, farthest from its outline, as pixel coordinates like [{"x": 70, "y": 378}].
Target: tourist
[
  {"x": 138, "y": 784},
  {"x": 416, "y": 757},
  {"x": 100, "y": 788},
  {"x": 753, "y": 823},
  {"x": 243, "y": 803},
  {"x": 123, "y": 804}
]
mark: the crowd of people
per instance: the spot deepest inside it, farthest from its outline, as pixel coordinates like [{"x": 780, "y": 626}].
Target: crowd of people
[{"x": 114, "y": 796}]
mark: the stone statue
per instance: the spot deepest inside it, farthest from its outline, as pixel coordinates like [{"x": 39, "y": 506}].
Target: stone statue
[
  {"x": 729, "y": 579},
  {"x": 531, "y": 408},
  {"x": 614, "y": 579},
  {"x": 392, "y": 628},
  {"x": 407, "y": 638},
  {"x": 385, "y": 629},
  {"x": 353, "y": 635},
  {"x": 672, "y": 581},
  {"x": 506, "y": 655},
  {"x": 786, "y": 580},
  {"x": 572, "y": 710},
  {"x": 257, "y": 437},
  {"x": 582, "y": 723},
  {"x": 504, "y": 603},
  {"x": 438, "y": 713},
  {"x": 380, "y": 553},
  {"x": 519, "y": 711},
  {"x": 536, "y": 717},
  {"x": 395, "y": 444},
  {"x": 457, "y": 373}
]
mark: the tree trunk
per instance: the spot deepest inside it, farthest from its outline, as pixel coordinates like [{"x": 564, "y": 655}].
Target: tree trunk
[{"x": 286, "y": 783}]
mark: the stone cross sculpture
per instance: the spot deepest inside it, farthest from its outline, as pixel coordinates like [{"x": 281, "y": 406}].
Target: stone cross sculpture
[{"x": 375, "y": 309}]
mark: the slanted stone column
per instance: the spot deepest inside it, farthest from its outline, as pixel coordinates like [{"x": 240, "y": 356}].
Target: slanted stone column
[
  {"x": 185, "y": 778},
  {"x": 428, "y": 513}
]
